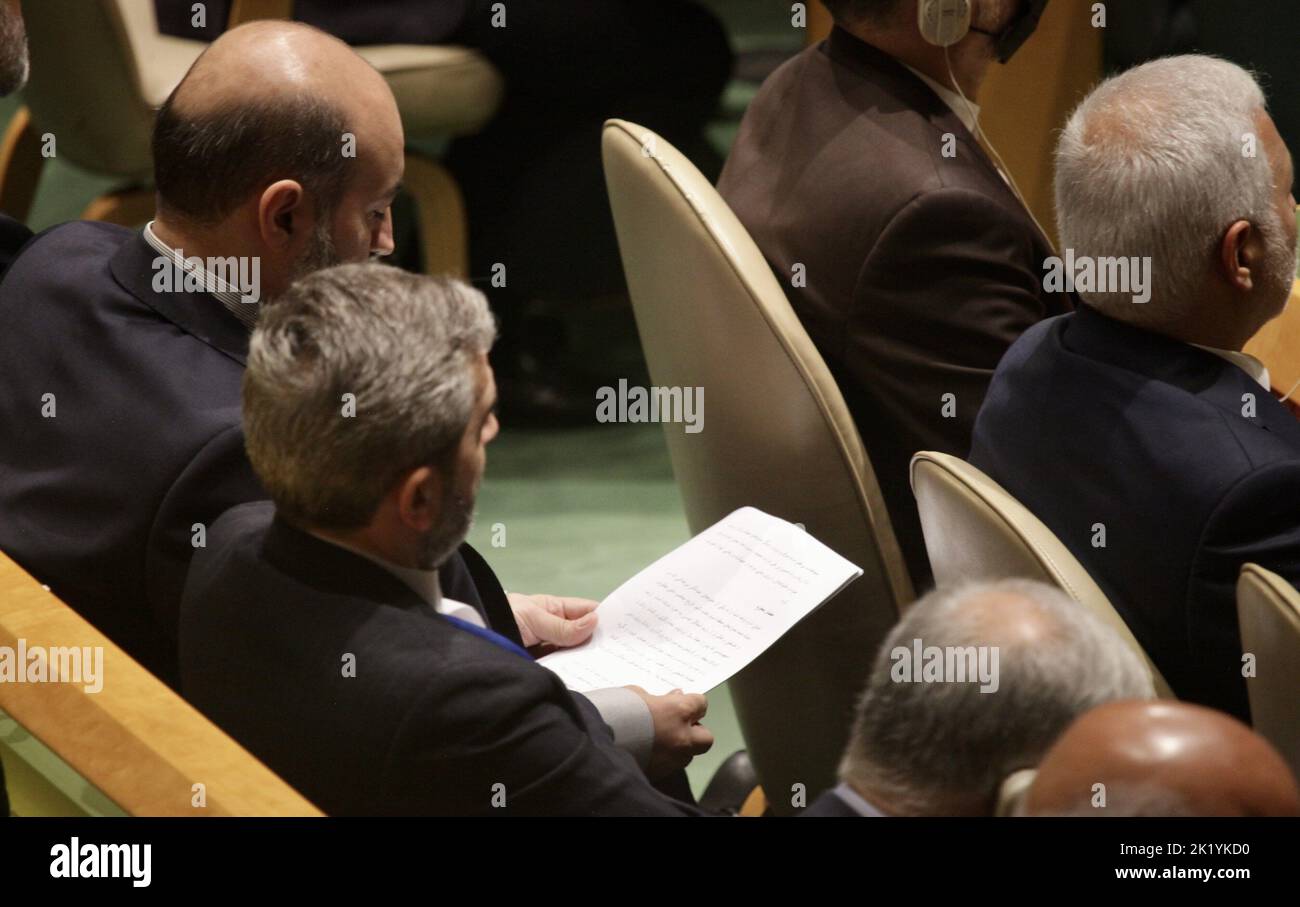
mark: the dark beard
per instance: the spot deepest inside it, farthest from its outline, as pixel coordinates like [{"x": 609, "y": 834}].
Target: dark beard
[
  {"x": 453, "y": 527},
  {"x": 319, "y": 253}
]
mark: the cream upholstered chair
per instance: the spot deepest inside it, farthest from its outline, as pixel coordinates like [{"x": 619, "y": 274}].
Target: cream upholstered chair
[
  {"x": 134, "y": 741},
  {"x": 100, "y": 70},
  {"x": 1268, "y": 609},
  {"x": 975, "y": 530},
  {"x": 776, "y": 435}
]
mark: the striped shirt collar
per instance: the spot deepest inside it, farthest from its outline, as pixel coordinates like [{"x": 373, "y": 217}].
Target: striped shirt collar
[{"x": 230, "y": 297}]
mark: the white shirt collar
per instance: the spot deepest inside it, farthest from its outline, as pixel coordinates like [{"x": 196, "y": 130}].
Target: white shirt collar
[
  {"x": 967, "y": 111},
  {"x": 1244, "y": 361},
  {"x": 423, "y": 583}
]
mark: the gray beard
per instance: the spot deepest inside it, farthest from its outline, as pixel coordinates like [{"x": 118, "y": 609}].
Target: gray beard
[{"x": 1280, "y": 268}]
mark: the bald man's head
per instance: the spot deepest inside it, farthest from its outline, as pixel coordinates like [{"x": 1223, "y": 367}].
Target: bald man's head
[
  {"x": 287, "y": 128},
  {"x": 1162, "y": 759}
]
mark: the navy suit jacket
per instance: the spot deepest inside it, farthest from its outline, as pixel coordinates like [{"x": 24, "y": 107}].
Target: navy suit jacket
[
  {"x": 120, "y": 430},
  {"x": 921, "y": 266},
  {"x": 1191, "y": 467},
  {"x": 434, "y": 717}
]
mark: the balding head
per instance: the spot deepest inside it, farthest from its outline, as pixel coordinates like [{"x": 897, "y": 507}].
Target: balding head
[
  {"x": 270, "y": 60},
  {"x": 283, "y": 133},
  {"x": 975, "y": 683},
  {"x": 1162, "y": 759}
]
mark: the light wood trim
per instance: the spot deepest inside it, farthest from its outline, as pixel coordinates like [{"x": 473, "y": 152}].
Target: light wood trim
[
  {"x": 135, "y": 740},
  {"x": 819, "y": 22},
  {"x": 755, "y": 805},
  {"x": 21, "y": 164},
  {"x": 441, "y": 215}
]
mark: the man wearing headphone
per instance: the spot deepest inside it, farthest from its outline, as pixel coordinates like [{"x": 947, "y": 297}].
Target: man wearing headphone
[{"x": 904, "y": 248}]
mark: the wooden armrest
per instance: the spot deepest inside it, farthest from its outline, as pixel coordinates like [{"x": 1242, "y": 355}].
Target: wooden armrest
[{"x": 133, "y": 739}]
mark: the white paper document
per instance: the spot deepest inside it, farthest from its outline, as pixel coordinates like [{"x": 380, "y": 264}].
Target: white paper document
[{"x": 699, "y": 614}]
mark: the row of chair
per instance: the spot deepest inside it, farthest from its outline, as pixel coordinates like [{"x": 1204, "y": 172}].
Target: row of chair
[{"x": 710, "y": 312}]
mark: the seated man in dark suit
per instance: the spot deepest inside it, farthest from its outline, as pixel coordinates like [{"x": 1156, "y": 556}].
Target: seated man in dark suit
[
  {"x": 974, "y": 684},
  {"x": 1136, "y": 429},
  {"x": 120, "y": 442},
  {"x": 316, "y": 632},
  {"x": 123, "y": 351},
  {"x": 13, "y": 75},
  {"x": 908, "y": 258}
]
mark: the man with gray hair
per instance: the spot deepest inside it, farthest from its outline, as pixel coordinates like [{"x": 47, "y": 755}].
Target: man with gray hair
[
  {"x": 975, "y": 683},
  {"x": 1136, "y": 428},
  {"x": 315, "y": 631}
]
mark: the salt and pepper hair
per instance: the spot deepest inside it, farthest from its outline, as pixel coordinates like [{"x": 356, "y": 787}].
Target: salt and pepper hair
[
  {"x": 401, "y": 345},
  {"x": 924, "y": 746},
  {"x": 1158, "y": 162}
]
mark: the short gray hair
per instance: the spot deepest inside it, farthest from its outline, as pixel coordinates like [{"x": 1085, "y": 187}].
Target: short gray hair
[
  {"x": 1153, "y": 164},
  {"x": 401, "y": 344},
  {"x": 926, "y": 745}
]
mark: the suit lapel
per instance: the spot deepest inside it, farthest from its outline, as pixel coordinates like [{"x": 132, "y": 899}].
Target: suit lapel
[
  {"x": 199, "y": 314},
  {"x": 495, "y": 606}
]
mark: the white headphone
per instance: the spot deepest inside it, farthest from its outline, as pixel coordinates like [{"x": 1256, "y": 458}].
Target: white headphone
[{"x": 943, "y": 22}]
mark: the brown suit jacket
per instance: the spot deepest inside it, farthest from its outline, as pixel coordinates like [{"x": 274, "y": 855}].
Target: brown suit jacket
[{"x": 921, "y": 268}]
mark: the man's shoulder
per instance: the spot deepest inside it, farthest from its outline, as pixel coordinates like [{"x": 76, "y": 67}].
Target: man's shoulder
[{"x": 75, "y": 246}]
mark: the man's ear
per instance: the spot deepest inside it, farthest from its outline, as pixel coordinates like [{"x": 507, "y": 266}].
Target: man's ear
[
  {"x": 1239, "y": 256},
  {"x": 419, "y": 498},
  {"x": 281, "y": 212}
]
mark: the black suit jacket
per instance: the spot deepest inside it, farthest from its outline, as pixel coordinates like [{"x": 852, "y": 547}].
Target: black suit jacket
[
  {"x": 99, "y": 499},
  {"x": 921, "y": 269},
  {"x": 1091, "y": 423},
  {"x": 435, "y": 715}
]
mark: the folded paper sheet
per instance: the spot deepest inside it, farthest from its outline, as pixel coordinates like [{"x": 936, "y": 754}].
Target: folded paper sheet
[{"x": 702, "y": 612}]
